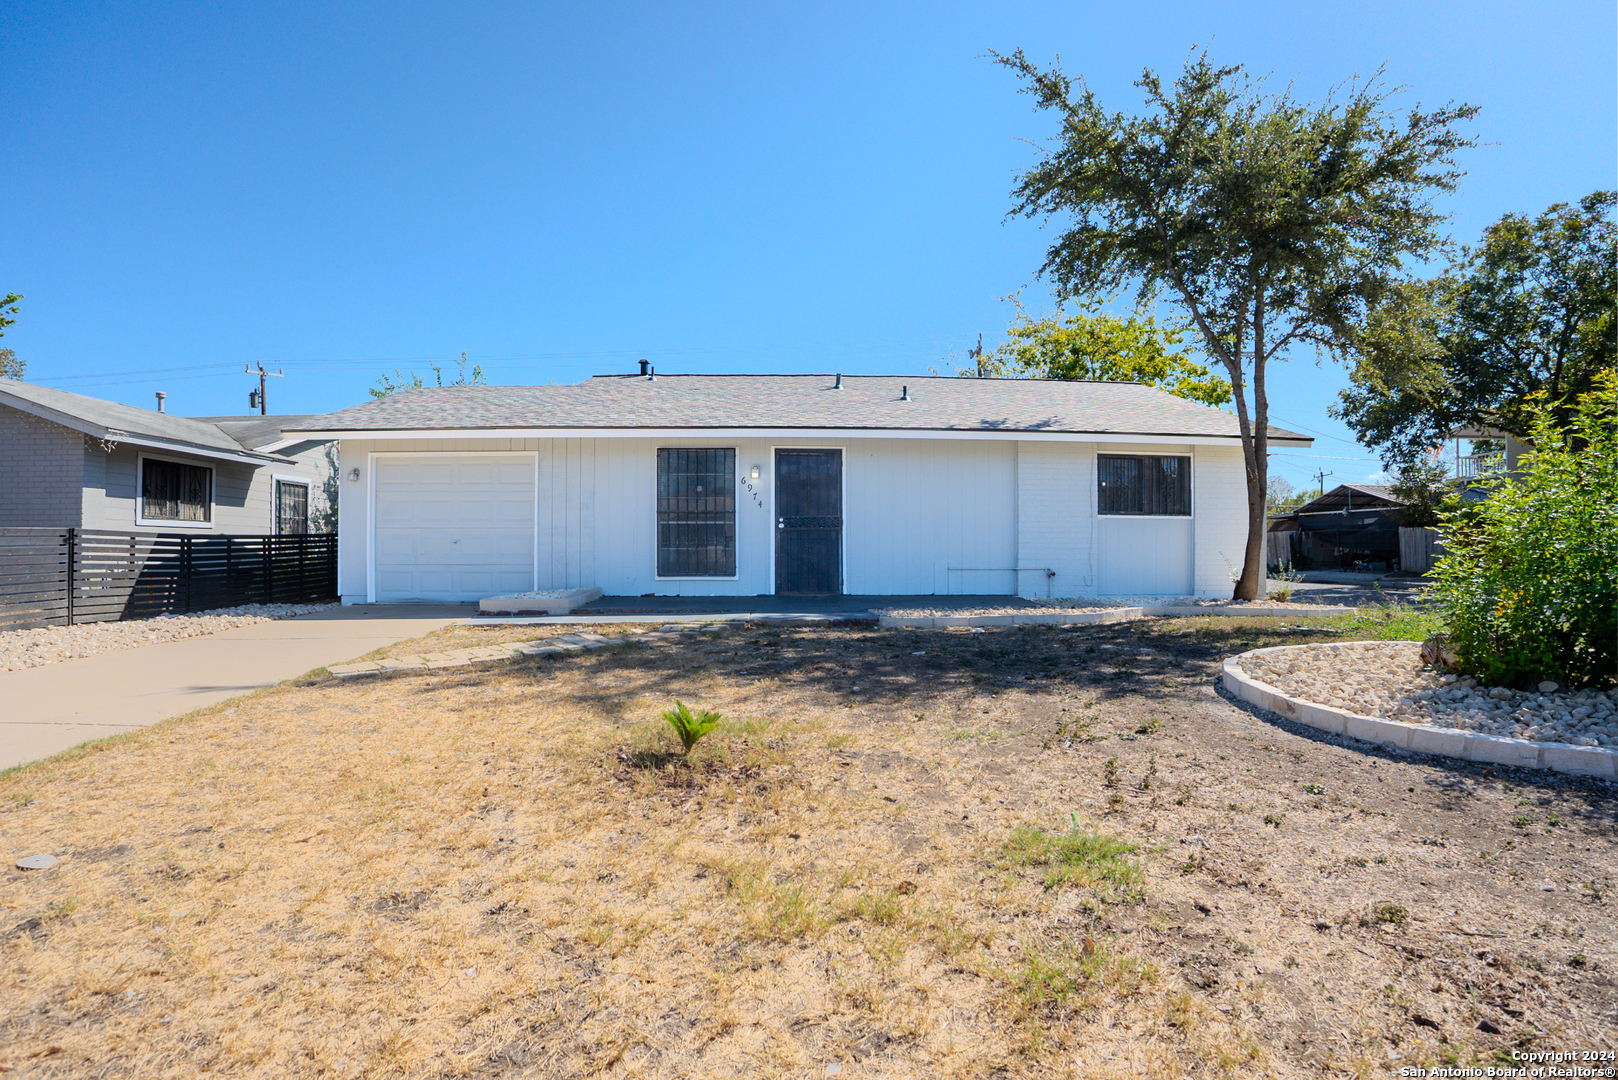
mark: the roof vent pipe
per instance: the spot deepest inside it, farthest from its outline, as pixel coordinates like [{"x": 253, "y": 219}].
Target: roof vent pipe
[
  {"x": 651, "y": 373},
  {"x": 645, "y": 367},
  {"x": 160, "y": 397},
  {"x": 904, "y": 393},
  {"x": 839, "y": 385}
]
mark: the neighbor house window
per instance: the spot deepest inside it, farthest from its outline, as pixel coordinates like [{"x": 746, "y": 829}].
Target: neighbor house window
[
  {"x": 696, "y": 513},
  {"x": 1147, "y": 486},
  {"x": 291, "y": 508},
  {"x": 174, "y": 491}
]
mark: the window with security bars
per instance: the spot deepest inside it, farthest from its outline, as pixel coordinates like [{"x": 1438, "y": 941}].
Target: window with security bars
[
  {"x": 1146, "y": 486},
  {"x": 291, "y": 508},
  {"x": 173, "y": 491},
  {"x": 696, "y": 513}
]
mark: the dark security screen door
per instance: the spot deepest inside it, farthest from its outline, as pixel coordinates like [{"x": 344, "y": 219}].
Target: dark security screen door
[{"x": 808, "y": 522}]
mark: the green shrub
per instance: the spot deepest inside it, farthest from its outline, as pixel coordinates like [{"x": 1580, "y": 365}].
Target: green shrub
[
  {"x": 691, "y": 727},
  {"x": 1530, "y": 585}
]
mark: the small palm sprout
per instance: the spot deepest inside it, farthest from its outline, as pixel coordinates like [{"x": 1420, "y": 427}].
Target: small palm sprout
[{"x": 691, "y": 728}]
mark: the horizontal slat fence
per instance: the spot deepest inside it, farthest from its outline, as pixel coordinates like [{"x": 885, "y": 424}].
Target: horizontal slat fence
[{"x": 52, "y": 577}]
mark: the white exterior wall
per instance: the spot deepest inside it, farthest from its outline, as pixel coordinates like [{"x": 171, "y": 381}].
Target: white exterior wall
[
  {"x": 1221, "y": 518},
  {"x": 1056, "y": 524},
  {"x": 921, "y": 516}
]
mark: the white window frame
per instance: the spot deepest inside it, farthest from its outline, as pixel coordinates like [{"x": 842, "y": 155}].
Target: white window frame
[
  {"x": 736, "y": 488},
  {"x": 275, "y": 502},
  {"x": 173, "y": 523},
  {"x": 1190, "y": 480}
]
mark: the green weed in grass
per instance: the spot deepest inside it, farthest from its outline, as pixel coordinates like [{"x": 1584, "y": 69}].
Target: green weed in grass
[
  {"x": 1384, "y": 622},
  {"x": 1101, "y": 863}
]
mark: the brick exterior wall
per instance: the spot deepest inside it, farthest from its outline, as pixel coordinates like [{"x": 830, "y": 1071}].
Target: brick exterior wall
[{"x": 44, "y": 472}]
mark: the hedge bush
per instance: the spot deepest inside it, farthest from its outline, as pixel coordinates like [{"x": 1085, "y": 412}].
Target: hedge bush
[{"x": 1530, "y": 585}]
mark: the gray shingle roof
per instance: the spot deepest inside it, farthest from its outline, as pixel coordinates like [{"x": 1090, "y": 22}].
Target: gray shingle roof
[
  {"x": 1353, "y": 496},
  {"x": 254, "y": 431},
  {"x": 796, "y": 401},
  {"x": 108, "y": 419}
]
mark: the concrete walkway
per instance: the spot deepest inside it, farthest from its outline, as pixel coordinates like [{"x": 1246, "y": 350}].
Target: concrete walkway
[{"x": 46, "y": 709}]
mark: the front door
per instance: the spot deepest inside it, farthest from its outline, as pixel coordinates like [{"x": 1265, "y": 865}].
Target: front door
[{"x": 808, "y": 522}]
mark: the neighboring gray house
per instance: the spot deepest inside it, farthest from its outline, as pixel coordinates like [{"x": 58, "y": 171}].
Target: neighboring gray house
[
  {"x": 80, "y": 462},
  {"x": 706, "y": 485}
]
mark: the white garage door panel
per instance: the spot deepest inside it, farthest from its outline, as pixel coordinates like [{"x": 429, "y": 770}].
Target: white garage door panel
[{"x": 453, "y": 528}]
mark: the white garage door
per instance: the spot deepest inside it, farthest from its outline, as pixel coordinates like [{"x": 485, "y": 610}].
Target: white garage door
[{"x": 452, "y": 528}]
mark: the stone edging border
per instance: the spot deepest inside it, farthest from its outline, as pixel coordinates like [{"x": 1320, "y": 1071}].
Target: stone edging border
[
  {"x": 1099, "y": 615},
  {"x": 1421, "y": 738}
]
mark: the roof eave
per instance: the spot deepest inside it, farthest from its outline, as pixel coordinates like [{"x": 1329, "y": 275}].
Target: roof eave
[{"x": 293, "y": 436}]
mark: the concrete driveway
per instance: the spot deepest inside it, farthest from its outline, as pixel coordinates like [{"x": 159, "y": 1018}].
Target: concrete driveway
[{"x": 47, "y": 709}]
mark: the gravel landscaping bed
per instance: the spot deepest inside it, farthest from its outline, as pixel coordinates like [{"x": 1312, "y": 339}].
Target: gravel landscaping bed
[
  {"x": 48, "y": 644},
  {"x": 1387, "y": 679},
  {"x": 1073, "y": 605}
]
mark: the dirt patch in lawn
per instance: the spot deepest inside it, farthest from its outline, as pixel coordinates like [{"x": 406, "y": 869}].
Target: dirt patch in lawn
[{"x": 1030, "y": 851}]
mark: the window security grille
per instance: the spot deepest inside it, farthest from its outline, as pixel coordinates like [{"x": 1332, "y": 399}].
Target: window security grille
[
  {"x": 291, "y": 508},
  {"x": 696, "y": 513},
  {"x": 1144, "y": 486},
  {"x": 172, "y": 491}
]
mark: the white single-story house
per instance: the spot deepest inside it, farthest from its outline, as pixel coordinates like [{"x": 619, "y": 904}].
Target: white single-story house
[
  {"x": 712, "y": 485},
  {"x": 80, "y": 462}
]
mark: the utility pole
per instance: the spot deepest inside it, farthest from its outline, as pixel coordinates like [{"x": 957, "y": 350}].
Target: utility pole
[
  {"x": 1320, "y": 478},
  {"x": 977, "y": 354},
  {"x": 255, "y": 398}
]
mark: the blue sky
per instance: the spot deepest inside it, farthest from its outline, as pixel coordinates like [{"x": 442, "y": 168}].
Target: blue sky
[{"x": 340, "y": 189}]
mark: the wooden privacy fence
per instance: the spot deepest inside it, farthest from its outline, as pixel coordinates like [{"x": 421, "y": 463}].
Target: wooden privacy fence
[
  {"x": 55, "y": 577},
  {"x": 1419, "y": 549},
  {"x": 1278, "y": 549}
]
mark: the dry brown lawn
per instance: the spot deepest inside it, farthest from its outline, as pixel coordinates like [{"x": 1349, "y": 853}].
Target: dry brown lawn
[{"x": 1036, "y": 851}]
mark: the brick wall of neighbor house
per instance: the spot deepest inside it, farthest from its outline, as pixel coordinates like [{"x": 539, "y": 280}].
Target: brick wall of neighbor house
[
  {"x": 1056, "y": 518},
  {"x": 1221, "y": 518},
  {"x": 44, "y": 468}
]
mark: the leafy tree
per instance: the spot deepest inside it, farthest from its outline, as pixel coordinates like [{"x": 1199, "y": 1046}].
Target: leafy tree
[
  {"x": 1283, "y": 499},
  {"x": 1279, "y": 497},
  {"x": 1420, "y": 486},
  {"x": 1529, "y": 586},
  {"x": 10, "y": 366},
  {"x": 1530, "y": 310},
  {"x": 1266, "y": 221},
  {"x": 386, "y": 384},
  {"x": 1093, "y": 345}
]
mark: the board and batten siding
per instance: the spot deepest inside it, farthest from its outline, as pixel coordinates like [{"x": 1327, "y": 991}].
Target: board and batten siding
[
  {"x": 921, "y": 517},
  {"x": 916, "y": 511}
]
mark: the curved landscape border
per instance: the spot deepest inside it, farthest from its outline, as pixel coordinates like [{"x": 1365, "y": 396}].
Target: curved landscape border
[
  {"x": 1421, "y": 738},
  {"x": 1036, "y": 617}
]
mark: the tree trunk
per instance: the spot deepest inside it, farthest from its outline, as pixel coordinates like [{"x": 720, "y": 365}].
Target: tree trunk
[{"x": 1255, "y": 455}]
